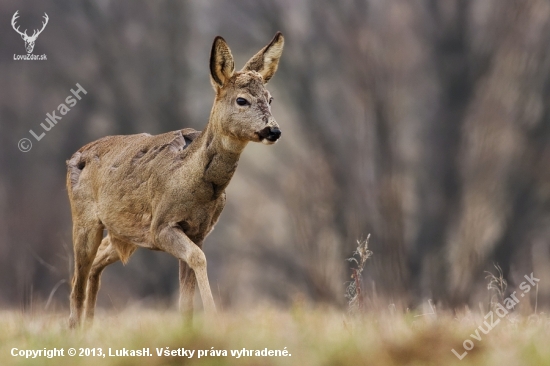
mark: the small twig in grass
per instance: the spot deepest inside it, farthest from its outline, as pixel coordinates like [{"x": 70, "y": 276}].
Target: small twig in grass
[
  {"x": 42, "y": 261},
  {"x": 113, "y": 303},
  {"x": 31, "y": 303},
  {"x": 220, "y": 297},
  {"x": 497, "y": 284},
  {"x": 68, "y": 258},
  {"x": 536, "y": 298},
  {"x": 53, "y": 292},
  {"x": 354, "y": 291},
  {"x": 432, "y": 308}
]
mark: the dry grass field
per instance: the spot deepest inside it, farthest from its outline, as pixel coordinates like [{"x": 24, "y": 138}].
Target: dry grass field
[{"x": 310, "y": 336}]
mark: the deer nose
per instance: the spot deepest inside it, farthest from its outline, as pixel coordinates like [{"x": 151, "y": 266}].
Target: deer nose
[
  {"x": 274, "y": 134},
  {"x": 270, "y": 134}
]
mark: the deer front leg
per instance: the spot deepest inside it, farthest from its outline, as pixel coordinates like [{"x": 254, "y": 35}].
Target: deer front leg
[{"x": 172, "y": 240}]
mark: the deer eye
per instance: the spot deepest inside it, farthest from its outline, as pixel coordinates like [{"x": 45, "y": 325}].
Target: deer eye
[
  {"x": 242, "y": 101},
  {"x": 270, "y": 100}
]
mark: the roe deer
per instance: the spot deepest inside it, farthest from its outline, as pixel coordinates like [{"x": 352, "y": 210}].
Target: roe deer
[{"x": 166, "y": 192}]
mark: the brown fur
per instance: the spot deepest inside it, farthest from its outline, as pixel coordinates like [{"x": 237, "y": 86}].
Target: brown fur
[{"x": 166, "y": 192}]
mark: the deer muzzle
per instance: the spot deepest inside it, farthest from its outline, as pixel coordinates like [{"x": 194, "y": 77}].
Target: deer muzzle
[{"x": 271, "y": 134}]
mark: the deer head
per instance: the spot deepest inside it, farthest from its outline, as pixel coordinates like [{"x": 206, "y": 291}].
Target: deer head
[
  {"x": 241, "y": 96},
  {"x": 29, "y": 40}
]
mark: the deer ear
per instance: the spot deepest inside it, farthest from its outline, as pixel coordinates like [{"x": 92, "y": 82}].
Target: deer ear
[
  {"x": 267, "y": 60},
  {"x": 222, "y": 66}
]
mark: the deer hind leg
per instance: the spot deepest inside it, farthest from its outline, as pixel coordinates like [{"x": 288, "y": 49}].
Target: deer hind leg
[
  {"x": 187, "y": 290},
  {"x": 107, "y": 254},
  {"x": 86, "y": 241},
  {"x": 172, "y": 240}
]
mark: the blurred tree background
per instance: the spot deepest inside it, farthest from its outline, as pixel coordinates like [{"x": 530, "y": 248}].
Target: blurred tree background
[{"x": 425, "y": 123}]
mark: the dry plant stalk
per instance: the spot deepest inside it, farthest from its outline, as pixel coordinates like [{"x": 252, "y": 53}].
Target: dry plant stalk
[
  {"x": 354, "y": 292},
  {"x": 497, "y": 284}
]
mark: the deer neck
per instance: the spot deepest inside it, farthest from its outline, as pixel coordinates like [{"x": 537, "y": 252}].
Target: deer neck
[{"x": 216, "y": 157}]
